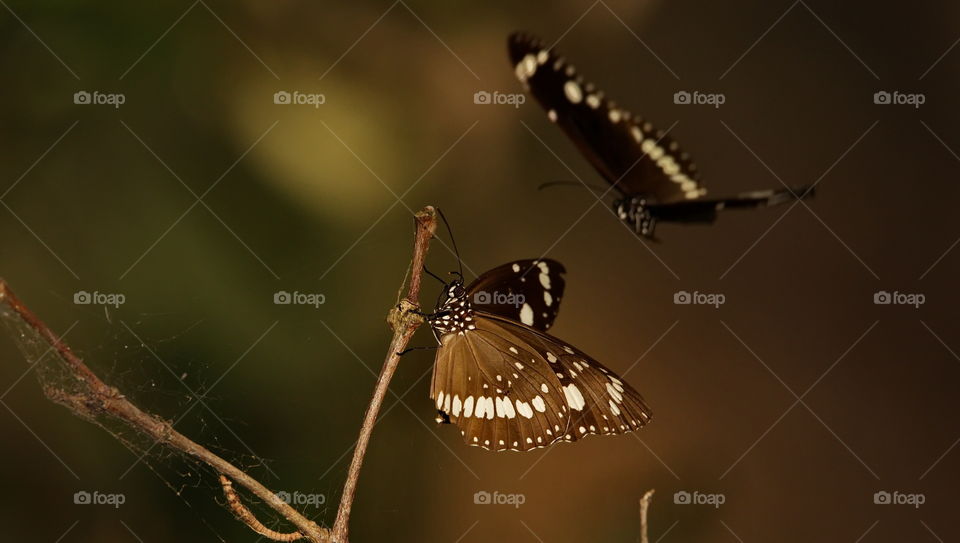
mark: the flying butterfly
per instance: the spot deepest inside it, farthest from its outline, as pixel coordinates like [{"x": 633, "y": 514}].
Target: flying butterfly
[
  {"x": 656, "y": 181},
  {"x": 504, "y": 381}
]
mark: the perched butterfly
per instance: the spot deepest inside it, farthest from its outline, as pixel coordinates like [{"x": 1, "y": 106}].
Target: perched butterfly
[
  {"x": 655, "y": 179},
  {"x": 507, "y": 384}
]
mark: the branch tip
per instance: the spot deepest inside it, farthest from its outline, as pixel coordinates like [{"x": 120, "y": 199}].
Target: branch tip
[{"x": 644, "y": 506}]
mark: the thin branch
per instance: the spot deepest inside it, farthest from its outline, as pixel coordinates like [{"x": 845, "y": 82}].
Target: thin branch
[
  {"x": 247, "y": 517},
  {"x": 90, "y": 398},
  {"x": 644, "y": 506},
  {"x": 405, "y": 318},
  {"x": 79, "y": 389}
]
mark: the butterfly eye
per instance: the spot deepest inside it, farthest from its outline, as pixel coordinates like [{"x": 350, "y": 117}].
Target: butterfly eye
[{"x": 459, "y": 291}]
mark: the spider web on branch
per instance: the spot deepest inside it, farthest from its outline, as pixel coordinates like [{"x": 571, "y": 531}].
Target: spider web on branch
[{"x": 82, "y": 392}]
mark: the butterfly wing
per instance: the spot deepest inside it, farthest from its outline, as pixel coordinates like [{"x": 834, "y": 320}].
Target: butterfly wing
[
  {"x": 511, "y": 387},
  {"x": 490, "y": 383},
  {"x": 600, "y": 402},
  {"x": 627, "y": 150},
  {"x": 527, "y": 291}
]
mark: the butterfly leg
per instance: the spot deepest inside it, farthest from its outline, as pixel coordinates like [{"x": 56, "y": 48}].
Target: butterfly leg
[{"x": 405, "y": 351}]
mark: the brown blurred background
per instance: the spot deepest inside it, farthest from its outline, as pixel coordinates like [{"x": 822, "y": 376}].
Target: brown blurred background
[{"x": 103, "y": 199}]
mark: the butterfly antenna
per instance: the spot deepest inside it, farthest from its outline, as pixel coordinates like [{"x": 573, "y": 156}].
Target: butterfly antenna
[
  {"x": 564, "y": 182},
  {"x": 452, "y": 240},
  {"x": 435, "y": 276}
]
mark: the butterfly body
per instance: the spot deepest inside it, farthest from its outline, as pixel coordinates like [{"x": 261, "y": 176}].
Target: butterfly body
[
  {"x": 505, "y": 382},
  {"x": 655, "y": 179}
]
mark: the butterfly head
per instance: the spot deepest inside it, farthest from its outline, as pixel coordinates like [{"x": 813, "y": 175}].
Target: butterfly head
[{"x": 455, "y": 314}]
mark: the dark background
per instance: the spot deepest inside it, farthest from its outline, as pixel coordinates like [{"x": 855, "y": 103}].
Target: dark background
[{"x": 97, "y": 198}]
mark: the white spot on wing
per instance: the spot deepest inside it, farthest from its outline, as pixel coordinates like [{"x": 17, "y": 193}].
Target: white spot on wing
[
  {"x": 614, "y": 393},
  {"x": 526, "y": 67},
  {"x": 524, "y": 409},
  {"x": 526, "y": 315},
  {"x": 572, "y": 90},
  {"x": 481, "y": 408},
  {"x": 508, "y": 409},
  {"x": 574, "y": 397}
]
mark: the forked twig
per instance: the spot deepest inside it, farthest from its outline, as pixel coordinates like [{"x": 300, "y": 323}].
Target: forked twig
[
  {"x": 245, "y": 515},
  {"x": 87, "y": 396}
]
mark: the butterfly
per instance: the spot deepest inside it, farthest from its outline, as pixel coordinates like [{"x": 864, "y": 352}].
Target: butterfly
[
  {"x": 504, "y": 381},
  {"x": 656, "y": 181}
]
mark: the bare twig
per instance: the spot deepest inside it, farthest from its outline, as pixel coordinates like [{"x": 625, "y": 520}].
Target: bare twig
[
  {"x": 246, "y": 516},
  {"x": 87, "y": 396},
  {"x": 644, "y": 506},
  {"x": 404, "y": 319}
]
